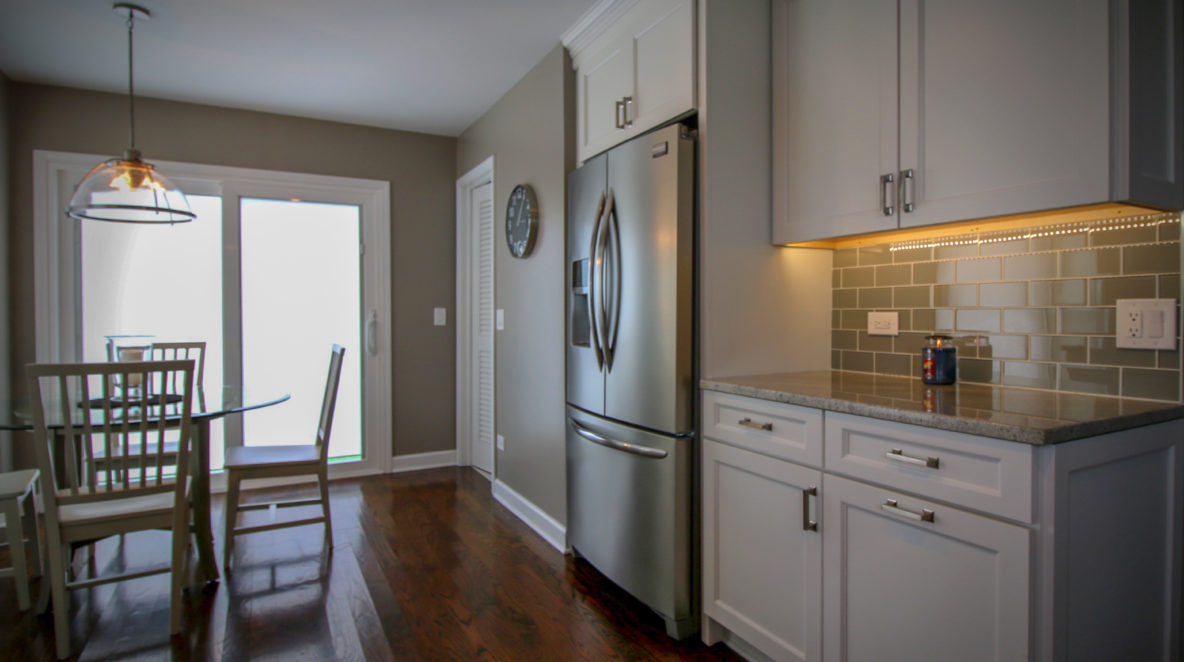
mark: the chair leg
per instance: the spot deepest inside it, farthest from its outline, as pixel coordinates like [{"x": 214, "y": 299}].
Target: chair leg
[
  {"x": 180, "y": 567},
  {"x": 323, "y": 483},
  {"x": 58, "y": 554},
  {"x": 232, "y": 482},
  {"x": 30, "y": 522},
  {"x": 16, "y": 548}
]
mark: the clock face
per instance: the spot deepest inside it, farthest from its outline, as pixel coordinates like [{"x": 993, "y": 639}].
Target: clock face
[{"x": 522, "y": 219}]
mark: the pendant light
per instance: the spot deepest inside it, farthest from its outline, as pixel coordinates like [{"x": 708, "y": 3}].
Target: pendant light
[{"x": 128, "y": 190}]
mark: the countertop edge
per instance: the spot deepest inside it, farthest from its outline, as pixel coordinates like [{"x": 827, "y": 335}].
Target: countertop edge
[{"x": 1008, "y": 432}]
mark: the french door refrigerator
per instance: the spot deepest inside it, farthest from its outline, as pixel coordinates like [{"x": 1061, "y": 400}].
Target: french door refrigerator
[{"x": 630, "y": 370}]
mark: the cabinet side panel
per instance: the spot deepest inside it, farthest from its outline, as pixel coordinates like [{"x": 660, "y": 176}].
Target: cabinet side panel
[{"x": 1116, "y": 521}]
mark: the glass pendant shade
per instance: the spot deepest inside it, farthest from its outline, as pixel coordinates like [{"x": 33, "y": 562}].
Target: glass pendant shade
[{"x": 128, "y": 190}]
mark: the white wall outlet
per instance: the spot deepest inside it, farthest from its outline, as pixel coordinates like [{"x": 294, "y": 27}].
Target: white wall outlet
[
  {"x": 883, "y": 324},
  {"x": 440, "y": 316},
  {"x": 501, "y": 443},
  {"x": 500, "y": 319},
  {"x": 1145, "y": 323}
]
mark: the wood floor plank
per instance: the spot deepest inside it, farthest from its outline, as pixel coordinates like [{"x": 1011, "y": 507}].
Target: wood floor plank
[{"x": 426, "y": 565}]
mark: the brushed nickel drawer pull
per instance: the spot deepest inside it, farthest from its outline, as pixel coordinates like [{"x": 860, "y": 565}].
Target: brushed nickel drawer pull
[
  {"x": 897, "y": 455},
  {"x": 807, "y": 523},
  {"x": 749, "y": 423},
  {"x": 889, "y": 506}
]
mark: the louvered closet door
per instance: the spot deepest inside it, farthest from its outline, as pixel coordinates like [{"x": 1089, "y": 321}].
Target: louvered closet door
[{"x": 482, "y": 287}]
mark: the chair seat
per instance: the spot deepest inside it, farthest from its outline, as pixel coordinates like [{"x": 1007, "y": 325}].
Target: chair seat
[
  {"x": 16, "y": 483},
  {"x": 156, "y": 503},
  {"x": 255, "y": 456}
]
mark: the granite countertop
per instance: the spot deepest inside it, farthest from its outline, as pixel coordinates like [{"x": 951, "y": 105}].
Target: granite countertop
[{"x": 1016, "y": 414}]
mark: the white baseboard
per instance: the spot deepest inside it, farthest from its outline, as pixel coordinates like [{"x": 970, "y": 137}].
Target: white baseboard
[
  {"x": 417, "y": 461},
  {"x": 534, "y": 517}
]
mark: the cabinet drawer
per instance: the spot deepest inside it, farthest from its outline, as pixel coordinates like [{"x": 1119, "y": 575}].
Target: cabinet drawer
[
  {"x": 990, "y": 475},
  {"x": 772, "y": 428}
]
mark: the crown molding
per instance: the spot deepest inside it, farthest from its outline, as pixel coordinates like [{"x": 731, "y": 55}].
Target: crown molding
[{"x": 593, "y": 23}]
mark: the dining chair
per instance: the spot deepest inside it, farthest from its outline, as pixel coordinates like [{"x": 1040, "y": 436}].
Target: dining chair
[
  {"x": 171, "y": 351},
  {"x": 20, "y": 523},
  {"x": 140, "y": 488},
  {"x": 251, "y": 462}
]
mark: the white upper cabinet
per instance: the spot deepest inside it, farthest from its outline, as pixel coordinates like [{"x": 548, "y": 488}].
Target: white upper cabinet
[
  {"x": 835, "y": 103},
  {"x": 637, "y": 74},
  {"x": 1004, "y": 107},
  {"x": 900, "y": 113}
]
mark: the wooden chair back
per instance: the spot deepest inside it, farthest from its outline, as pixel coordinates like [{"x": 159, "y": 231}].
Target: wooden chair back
[
  {"x": 172, "y": 351},
  {"x": 329, "y": 403},
  {"x": 77, "y": 403}
]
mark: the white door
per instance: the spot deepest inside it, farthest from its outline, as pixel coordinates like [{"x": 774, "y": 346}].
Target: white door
[
  {"x": 762, "y": 556},
  {"x": 481, "y": 316},
  {"x": 910, "y": 579}
]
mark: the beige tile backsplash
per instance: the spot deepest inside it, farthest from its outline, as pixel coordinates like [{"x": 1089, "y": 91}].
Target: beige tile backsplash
[{"x": 1033, "y": 311}]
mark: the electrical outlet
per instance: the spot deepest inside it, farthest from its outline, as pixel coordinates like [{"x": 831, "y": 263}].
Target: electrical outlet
[
  {"x": 501, "y": 443},
  {"x": 1145, "y": 323},
  {"x": 883, "y": 324}
]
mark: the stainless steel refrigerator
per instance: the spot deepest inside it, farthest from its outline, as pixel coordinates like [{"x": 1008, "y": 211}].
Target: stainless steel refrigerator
[{"x": 630, "y": 370}]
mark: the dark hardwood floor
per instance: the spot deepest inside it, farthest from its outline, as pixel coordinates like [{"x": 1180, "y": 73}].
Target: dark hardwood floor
[{"x": 425, "y": 566}]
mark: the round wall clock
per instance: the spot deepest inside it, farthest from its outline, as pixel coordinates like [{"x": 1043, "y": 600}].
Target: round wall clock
[{"x": 522, "y": 220}]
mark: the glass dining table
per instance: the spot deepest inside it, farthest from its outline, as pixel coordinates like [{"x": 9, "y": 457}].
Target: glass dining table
[{"x": 208, "y": 406}]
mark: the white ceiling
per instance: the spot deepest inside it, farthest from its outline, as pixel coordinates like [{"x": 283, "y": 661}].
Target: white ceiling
[{"x": 432, "y": 66}]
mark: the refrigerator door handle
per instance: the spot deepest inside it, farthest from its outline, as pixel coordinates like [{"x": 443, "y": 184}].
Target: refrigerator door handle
[
  {"x": 612, "y": 313},
  {"x": 599, "y": 261},
  {"x": 636, "y": 449},
  {"x": 592, "y": 289}
]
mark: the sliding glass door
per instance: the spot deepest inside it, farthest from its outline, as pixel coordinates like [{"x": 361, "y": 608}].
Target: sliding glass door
[
  {"x": 301, "y": 293},
  {"x": 276, "y": 269}
]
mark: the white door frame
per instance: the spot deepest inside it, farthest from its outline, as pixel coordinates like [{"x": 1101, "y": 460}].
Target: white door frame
[
  {"x": 465, "y": 370},
  {"x": 57, "y": 245}
]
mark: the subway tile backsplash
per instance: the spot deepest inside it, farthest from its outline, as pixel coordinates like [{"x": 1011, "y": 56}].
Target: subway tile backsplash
[{"x": 1025, "y": 308}]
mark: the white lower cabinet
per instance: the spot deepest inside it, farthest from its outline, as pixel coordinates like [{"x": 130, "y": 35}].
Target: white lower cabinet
[
  {"x": 762, "y": 514},
  {"x": 912, "y": 544},
  {"x": 911, "y": 579}
]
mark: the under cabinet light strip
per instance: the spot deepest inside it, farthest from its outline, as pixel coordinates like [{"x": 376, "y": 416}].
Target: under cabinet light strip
[{"x": 1102, "y": 225}]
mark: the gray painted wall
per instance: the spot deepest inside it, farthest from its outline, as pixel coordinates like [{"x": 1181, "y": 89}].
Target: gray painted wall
[
  {"x": 759, "y": 304},
  {"x": 528, "y": 135},
  {"x": 421, "y": 169}
]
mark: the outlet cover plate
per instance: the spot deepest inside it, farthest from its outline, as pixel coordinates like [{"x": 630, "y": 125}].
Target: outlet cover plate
[
  {"x": 883, "y": 324},
  {"x": 1145, "y": 324}
]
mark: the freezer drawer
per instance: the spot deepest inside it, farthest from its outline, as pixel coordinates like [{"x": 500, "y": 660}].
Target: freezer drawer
[{"x": 629, "y": 512}]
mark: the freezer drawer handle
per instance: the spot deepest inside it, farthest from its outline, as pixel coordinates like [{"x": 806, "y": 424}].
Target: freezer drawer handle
[
  {"x": 636, "y": 449},
  {"x": 749, "y": 423},
  {"x": 897, "y": 455},
  {"x": 889, "y": 506}
]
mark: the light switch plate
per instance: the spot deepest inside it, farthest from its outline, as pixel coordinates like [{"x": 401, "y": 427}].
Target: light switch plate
[
  {"x": 501, "y": 443},
  {"x": 440, "y": 316},
  {"x": 1145, "y": 324},
  {"x": 883, "y": 324},
  {"x": 500, "y": 319}
]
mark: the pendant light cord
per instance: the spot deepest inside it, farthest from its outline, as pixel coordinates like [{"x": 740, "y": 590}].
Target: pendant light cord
[{"x": 131, "y": 90}]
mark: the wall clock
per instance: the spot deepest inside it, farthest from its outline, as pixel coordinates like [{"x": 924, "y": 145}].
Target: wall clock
[{"x": 522, "y": 220}]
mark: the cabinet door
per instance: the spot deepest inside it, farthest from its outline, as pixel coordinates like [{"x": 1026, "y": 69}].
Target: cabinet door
[
  {"x": 762, "y": 565},
  {"x": 1004, "y": 107},
  {"x": 664, "y": 55},
  {"x": 835, "y": 117},
  {"x": 897, "y": 588},
  {"x": 604, "y": 79}
]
